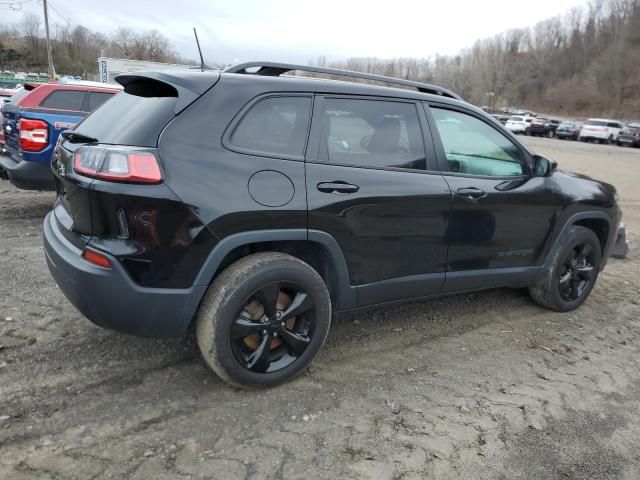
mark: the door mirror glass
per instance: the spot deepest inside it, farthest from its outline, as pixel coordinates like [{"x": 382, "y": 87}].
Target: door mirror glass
[{"x": 544, "y": 167}]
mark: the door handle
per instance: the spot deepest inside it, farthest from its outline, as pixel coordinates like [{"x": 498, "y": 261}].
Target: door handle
[
  {"x": 337, "y": 187},
  {"x": 471, "y": 193}
]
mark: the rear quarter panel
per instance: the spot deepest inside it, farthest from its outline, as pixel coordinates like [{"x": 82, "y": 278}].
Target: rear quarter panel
[{"x": 213, "y": 179}]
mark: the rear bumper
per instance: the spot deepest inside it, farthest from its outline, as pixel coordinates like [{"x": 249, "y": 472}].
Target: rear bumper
[
  {"x": 27, "y": 175},
  {"x": 110, "y": 299},
  {"x": 595, "y": 136}
]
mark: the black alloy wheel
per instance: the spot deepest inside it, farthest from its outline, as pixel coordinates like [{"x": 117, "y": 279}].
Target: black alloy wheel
[
  {"x": 274, "y": 328},
  {"x": 578, "y": 273},
  {"x": 263, "y": 320},
  {"x": 572, "y": 271}
]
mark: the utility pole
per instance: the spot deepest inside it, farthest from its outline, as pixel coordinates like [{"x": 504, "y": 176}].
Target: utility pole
[{"x": 51, "y": 69}]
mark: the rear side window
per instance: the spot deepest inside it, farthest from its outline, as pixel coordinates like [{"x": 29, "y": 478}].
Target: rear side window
[
  {"x": 128, "y": 119},
  {"x": 275, "y": 126},
  {"x": 95, "y": 99},
  {"x": 372, "y": 133},
  {"x": 64, "y": 100},
  {"x": 614, "y": 125}
]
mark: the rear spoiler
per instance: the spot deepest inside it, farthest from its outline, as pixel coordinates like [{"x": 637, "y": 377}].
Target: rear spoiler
[{"x": 186, "y": 85}]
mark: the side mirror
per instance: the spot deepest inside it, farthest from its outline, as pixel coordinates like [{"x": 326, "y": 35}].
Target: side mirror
[{"x": 544, "y": 167}]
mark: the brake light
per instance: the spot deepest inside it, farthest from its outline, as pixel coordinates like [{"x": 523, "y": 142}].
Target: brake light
[
  {"x": 97, "y": 258},
  {"x": 34, "y": 135},
  {"x": 117, "y": 165}
]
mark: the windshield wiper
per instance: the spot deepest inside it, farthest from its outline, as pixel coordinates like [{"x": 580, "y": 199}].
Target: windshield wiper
[{"x": 75, "y": 137}]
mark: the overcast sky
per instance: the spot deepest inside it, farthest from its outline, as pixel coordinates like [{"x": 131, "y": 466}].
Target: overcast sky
[{"x": 297, "y": 31}]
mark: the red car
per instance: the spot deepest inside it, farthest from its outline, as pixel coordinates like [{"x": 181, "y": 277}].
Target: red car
[{"x": 33, "y": 122}]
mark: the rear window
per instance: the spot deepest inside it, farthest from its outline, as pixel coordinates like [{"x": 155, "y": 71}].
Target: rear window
[
  {"x": 516, "y": 119},
  {"x": 95, "y": 99},
  {"x": 64, "y": 100},
  {"x": 128, "y": 119},
  {"x": 596, "y": 123},
  {"x": 275, "y": 126}
]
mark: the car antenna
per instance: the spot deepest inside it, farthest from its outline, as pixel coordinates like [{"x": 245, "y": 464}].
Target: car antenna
[{"x": 202, "y": 65}]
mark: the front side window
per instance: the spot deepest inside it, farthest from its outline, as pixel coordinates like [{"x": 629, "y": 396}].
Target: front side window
[
  {"x": 475, "y": 148},
  {"x": 64, "y": 100},
  {"x": 275, "y": 126},
  {"x": 372, "y": 133}
]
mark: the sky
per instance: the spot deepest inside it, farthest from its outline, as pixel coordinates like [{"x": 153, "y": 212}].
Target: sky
[{"x": 299, "y": 31}]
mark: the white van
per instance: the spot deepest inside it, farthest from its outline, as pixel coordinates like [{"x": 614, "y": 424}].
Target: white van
[{"x": 601, "y": 129}]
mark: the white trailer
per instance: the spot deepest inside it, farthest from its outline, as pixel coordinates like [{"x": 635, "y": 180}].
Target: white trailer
[{"x": 109, "y": 68}]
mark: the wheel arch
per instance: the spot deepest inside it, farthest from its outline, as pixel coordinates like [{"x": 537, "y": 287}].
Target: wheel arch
[
  {"x": 317, "y": 248},
  {"x": 598, "y": 222}
]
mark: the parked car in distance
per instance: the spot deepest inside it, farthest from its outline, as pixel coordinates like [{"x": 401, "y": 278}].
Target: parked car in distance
[
  {"x": 20, "y": 76},
  {"x": 501, "y": 118},
  {"x": 601, "y": 130},
  {"x": 5, "y": 95},
  {"x": 543, "y": 127},
  {"x": 261, "y": 206},
  {"x": 43, "y": 75},
  {"x": 568, "y": 130},
  {"x": 629, "y": 135},
  {"x": 32, "y": 125},
  {"x": 519, "y": 124}
]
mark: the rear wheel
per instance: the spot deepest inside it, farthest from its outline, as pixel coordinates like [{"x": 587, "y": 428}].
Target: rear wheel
[
  {"x": 263, "y": 320},
  {"x": 573, "y": 271}
]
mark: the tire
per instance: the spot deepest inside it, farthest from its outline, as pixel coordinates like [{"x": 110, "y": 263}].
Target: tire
[
  {"x": 609, "y": 140},
  {"x": 224, "y": 308},
  {"x": 553, "y": 290},
  {"x": 550, "y": 134}
]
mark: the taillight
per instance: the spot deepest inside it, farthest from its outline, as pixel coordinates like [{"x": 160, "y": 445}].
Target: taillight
[
  {"x": 131, "y": 166},
  {"x": 34, "y": 135}
]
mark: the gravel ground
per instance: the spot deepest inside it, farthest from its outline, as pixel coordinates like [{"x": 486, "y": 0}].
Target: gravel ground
[{"x": 479, "y": 386}]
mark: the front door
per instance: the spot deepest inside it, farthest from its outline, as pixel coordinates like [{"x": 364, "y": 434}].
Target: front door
[
  {"x": 502, "y": 214},
  {"x": 372, "y": 184}
]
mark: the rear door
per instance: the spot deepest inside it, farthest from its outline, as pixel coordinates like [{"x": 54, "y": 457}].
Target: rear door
[{"x": 372, "y": 185}]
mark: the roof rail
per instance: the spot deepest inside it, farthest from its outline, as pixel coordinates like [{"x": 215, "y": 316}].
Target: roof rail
[{"x": 272, "y": 69}]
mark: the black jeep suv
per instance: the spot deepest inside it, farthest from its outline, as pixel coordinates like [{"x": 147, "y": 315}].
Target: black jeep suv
[{"x": 259, "y": 204}]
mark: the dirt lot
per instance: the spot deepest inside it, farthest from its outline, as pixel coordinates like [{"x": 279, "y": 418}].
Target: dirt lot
[{"x": 481, "y": 386}]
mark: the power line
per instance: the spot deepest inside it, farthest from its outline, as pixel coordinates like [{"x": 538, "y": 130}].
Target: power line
[
  {"x": 15, "y": 5},
  {"x": 57, "y": 12}
]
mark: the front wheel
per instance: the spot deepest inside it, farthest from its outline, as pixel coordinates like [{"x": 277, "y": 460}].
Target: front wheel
[
  {"x": 572, "y": 273},
  {"x": 263, "y": 320}
]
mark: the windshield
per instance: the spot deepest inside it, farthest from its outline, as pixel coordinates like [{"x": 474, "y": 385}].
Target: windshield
[{"x": 21, "y": 92}]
